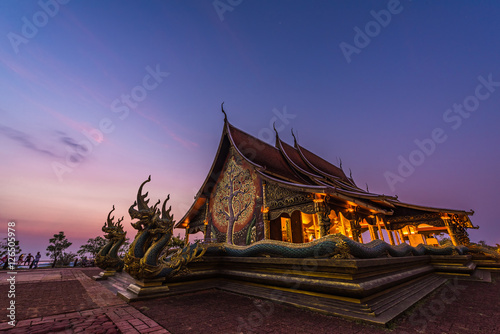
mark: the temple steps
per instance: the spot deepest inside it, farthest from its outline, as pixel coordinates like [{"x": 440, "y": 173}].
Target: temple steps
[{"x": 379, "y": 309}]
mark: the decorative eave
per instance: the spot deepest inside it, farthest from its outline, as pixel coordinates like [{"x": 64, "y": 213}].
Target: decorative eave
[
  {"x": 316, "y": 169},
  {"x": 279, "y": 145},
  {"x": 293, "y": 176},
  {"x": 190, "y": 212},
  {"x": 193, "y": 211},
  {"x": 432, "y": 209},
  {"x": 291, "y": 185},
  {"x": 327, "y": 190},
  {"x": 335, "y": 193}
]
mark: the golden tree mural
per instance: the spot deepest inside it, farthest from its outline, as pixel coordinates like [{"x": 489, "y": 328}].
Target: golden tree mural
[{"x": 234, "y": 198}]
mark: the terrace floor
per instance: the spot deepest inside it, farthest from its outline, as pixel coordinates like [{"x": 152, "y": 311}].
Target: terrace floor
[{"x": 68, "y": 301}]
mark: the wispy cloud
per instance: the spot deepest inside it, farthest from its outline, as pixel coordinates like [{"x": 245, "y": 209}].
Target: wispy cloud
[
  {"x": 24, "y": 139},
  {"x": 57, "y": 148}
]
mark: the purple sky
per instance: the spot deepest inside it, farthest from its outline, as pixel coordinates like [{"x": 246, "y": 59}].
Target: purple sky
[{"x": 98, "y": 95}]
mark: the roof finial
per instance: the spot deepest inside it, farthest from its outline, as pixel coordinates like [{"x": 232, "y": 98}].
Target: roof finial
[
  {"x": 222, "y": 108},
  {"x": 350, "y": 174},
  {"x": 277, "y": 136},
  {"x": 367, "y": 189},
  {"x": 294, "y": 139}
]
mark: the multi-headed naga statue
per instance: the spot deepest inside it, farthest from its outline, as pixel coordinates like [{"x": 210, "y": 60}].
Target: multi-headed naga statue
[
  {"x": 107, "y": 258},
  {"x": 144, "y": 259}
]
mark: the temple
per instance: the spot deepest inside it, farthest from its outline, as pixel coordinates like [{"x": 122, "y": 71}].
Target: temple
[
  {"x": 257, "y": 191},
  {"x": 282, "y": 224}
]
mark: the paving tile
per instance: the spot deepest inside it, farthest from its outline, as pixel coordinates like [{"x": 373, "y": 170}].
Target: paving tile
[{"x": 68, "y": 301}]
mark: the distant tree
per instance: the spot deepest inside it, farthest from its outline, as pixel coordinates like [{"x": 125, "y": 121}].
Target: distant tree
[
  {"x": 482, "y": 243},
  {"x": 65, "y": 259},
  {"x": 92, "y": 247},
  {"x": 445, "y": 242},
  {"x": 58, "y": 244},
  {"x": 174, "y": 245},
  {"x": 177, "y": 242},
  {"x": 4, "y": 247},
  {"x": 124, "y": 248}
]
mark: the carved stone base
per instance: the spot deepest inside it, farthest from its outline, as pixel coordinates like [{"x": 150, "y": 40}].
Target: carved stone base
[
  {"x": 144, "y": 289},
  {"x": 104, "y": 275}
]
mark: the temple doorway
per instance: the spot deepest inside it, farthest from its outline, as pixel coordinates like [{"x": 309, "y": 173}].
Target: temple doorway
[{"x": 287, "y": 228}]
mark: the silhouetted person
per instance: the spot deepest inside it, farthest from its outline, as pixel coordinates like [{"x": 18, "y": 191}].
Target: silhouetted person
[
  {"x": 28, "y": 259},
  {"x": 35, "y": 261}
]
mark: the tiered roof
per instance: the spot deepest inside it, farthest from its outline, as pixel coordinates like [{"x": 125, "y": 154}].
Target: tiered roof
[{"x": 298, "y": 168}]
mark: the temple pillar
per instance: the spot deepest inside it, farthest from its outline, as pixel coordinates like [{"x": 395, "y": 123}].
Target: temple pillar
[
  {"x": 205, "y": 222},
  {"x": 351, "y": 227},
  {"x": 267, "y": 224},
  {"x": 389, "y": 233},
  {"x": 397, "y": 237},
  {"x": 323, "y": 220},
  {"x": 342, "y": 227},
  {"x": 205, "y": 229},
  {"x": 451, "y": 230},
  {"x": 401, "y": 235},
  {"x": 373, "y": 233},
  {"x": 186, "y": 240},
  {"x": 356, "y": 232},
  {"x": 361, "y": 237},
  {"x": 379, "y": 228},
  {"x": 265, "y": 212}
]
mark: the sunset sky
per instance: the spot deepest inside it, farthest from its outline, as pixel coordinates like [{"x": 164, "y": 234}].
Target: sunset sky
[{"x": 97, "y": 95}]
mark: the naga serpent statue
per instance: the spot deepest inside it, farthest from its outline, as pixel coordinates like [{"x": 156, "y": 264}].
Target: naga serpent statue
[
  {"x": 107, "y": 258},
  {"x": 144, "y": 259},
  {"x": 331, "y": 246}
]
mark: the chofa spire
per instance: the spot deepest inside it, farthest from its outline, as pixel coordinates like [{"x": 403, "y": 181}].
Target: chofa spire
[{"x": 222, "y": 109}]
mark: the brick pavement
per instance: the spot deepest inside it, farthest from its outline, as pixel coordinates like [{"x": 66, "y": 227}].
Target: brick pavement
[
  {"x": 459, "y": 307},
  {"x": 69, "y": 301}
]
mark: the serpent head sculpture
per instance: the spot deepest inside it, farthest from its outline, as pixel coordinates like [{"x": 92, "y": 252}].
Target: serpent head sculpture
[{"x": 107, "y": 258}]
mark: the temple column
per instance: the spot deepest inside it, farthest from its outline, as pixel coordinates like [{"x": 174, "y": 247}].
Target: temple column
[
  {"x": 356, "y": 231},
  {"x": 205, "y": 229},
  {"x": 351, "y": 227},
  {"x": 373, "y": 233},
  {"x": 267, "y": 224},
  {"x": 379, "y": 228},
  {"x": 389, "y": 233},
  {"x": 451, "y": 230},
  {"x": 397, "y": 237},
  {"x": 186, "y": 240},
  {"x": 342, "y": 227},
  {"x": 361, "y": 237},
  {"x": 205, "y": 223},
  {"x": 401, "y": 235},
  {"x": 265, "y": 212},
  {"x": 323, "y": 220}
]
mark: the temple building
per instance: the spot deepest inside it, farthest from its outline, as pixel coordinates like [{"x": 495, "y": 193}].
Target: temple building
[{"x": 257, "y": 191}]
